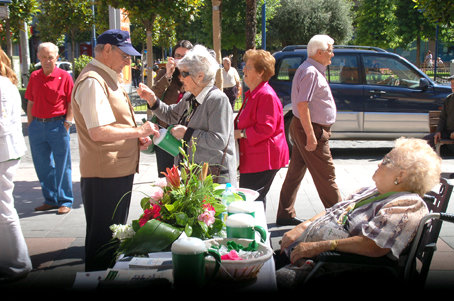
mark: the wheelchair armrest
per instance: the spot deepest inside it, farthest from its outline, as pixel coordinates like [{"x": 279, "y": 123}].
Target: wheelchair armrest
[{"x": 339, "y": 257}]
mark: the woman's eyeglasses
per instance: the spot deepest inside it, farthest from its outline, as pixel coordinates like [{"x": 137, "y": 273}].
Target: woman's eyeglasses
[
  {"x": 386, "y": 160},
  {"x": 184, "y": 74}
]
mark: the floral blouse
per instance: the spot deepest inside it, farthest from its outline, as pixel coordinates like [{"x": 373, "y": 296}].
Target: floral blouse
[{"x": 390, "y": 222}]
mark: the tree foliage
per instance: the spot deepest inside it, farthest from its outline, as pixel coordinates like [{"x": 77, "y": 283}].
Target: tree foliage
[
  {"x": 441, "y": 11},
  {"x": 296, "y": 21},
  {"x": 145, "y": 13},
  {"x": 375, "y": 24},
  {"x": 65, "y": 17}
]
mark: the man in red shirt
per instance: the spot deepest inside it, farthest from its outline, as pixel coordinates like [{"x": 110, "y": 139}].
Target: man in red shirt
[{"x": 50, "y": 117}]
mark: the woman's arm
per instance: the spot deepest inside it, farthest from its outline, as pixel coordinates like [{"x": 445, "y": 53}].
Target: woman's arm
[
  {"x": 291, "y": 236},
  {"x": 356, "y": 245}
]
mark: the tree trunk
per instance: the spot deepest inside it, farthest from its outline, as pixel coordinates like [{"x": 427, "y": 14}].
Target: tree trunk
[
  {"x": 251, "y": 23},
  {"x": 150, "y": 61},
  {"x": 217, "y": 38}
]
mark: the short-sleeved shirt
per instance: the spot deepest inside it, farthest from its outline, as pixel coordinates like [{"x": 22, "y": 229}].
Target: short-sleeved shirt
[
  {"x": 390, "y": 222},
  {"x": 93, "y": 102},
  {"x": 310, "y": 85},
  {"x": 230, "y": 78},
  {"x": 50, "y": 94}
]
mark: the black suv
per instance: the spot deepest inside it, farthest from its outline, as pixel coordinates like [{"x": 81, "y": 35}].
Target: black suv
[{"x": 378, "y": 94}]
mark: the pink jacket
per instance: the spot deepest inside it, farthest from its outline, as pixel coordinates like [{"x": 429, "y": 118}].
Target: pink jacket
[{"x": 265, "y": 146}]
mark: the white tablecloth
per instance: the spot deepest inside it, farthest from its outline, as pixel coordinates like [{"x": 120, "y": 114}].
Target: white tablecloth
[{"x": 266, "y": 278}]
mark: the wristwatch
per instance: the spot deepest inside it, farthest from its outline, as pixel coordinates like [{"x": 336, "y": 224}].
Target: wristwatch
[
  {"x": 243, "y": 134},
  {"x": 69, "y": 122}
]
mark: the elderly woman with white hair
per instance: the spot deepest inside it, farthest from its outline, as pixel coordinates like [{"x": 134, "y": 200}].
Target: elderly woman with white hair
[
  {"x": 203, "y": 115},
  {"x": 376, "y": 221}
]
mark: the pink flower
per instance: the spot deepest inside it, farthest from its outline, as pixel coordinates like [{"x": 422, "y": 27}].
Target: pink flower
[
  {"x": 208, "y": 215},
  {"x": 156, "y": 194}
]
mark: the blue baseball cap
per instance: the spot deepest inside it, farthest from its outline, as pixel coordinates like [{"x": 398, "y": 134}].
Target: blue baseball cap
[{"x": 119, "y": 38}]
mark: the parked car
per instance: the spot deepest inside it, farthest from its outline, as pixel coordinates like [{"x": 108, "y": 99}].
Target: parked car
[{"x": 378, "y": 94}]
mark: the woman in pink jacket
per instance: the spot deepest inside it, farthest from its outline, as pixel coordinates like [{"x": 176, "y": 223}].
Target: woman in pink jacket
[{"x": 259, "y": 126}]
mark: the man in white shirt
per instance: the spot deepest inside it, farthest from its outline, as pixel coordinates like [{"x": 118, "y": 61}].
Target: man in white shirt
[{"x": 230, "y": 80}]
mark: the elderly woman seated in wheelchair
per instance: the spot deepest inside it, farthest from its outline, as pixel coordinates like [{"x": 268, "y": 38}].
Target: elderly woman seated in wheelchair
[{"x": 375, "y": 221}]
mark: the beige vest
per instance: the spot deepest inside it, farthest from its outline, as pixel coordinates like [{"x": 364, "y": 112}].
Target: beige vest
[{"x": 106, "y": 159}]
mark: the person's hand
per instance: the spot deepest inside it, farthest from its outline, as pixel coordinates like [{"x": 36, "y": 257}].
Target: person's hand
[
  {"x": 307, "y": 250},
  {"x": 67, "y": 126},
  {"x": 291, "y": 236},
  {"x": 311, "y": 143},
  {"x": 237, "y": 134},
  {"x": 148, "y": 129},
  {"x": 170, "y": 67},
  {"x": 178, "y": 131},
  {"x": 451, "y": 136},
  {"x": 146, "y": 93},
  {"x": 145, "y": 142},
  {"x": 437, "y": 137}
]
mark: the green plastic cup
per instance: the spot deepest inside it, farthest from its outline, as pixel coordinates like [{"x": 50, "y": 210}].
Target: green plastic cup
[
  {"x": 188, "y": 259},
  {"x": 167, "y": 141}
]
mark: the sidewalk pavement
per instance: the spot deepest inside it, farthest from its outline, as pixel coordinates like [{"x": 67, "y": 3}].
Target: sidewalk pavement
[{"x": 56, "y": 242}]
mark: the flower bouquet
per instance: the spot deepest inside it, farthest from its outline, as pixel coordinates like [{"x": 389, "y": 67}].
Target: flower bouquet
[{"x": 184, "y": 201}]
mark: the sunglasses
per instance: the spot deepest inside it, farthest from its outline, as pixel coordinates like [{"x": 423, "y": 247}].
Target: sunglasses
[{"x": 184, "y": 74}]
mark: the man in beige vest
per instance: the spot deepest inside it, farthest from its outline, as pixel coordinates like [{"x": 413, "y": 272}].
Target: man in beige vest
[{"x": 109, "y": 142}]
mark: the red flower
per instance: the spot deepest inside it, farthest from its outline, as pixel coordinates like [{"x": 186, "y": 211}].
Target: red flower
[
  {"x": 172, "y": 176},
  {"x": 152, "y": 213}
]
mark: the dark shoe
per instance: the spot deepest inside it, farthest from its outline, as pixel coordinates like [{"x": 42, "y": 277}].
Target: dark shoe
[
  {"x": 45, "y": 207},
  {"x": 63, "y": 210},
  {"x": 293, "y": 221}
]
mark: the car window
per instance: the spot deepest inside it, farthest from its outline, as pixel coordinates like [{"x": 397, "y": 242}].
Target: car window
[
  {"x": 388, "y": 71},
  {"x": 344, "y": 69},
  {"x": 288, "y": 67}
]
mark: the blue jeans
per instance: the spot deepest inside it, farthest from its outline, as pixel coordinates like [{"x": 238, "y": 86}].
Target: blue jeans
[{"x": 49, "y": 144}]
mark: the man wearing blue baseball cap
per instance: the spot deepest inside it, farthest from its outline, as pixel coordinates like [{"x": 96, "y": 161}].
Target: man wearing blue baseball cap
[{"x": 109, "y": 142}]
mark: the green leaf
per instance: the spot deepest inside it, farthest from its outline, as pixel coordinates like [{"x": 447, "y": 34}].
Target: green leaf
[
  {"x": 188, "y": 230},
  {"x": 181, "y": 218},
  {"x": 203, "y": 226},
  {"x": 145, "y": 203},
  {"x": 170, "y": 207}
]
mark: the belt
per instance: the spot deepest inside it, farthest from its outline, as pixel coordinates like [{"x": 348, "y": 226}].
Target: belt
[{"x": 49, "y": 119}]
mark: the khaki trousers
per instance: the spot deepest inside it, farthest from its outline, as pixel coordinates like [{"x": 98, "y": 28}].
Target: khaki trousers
[{"x": 320, "y": 165}]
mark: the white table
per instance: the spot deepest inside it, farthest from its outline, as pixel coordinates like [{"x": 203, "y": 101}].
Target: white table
[{"x": 266, "y": 278}]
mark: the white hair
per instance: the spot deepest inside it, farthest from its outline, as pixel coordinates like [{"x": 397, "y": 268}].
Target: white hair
[
  {"x": 318, "y": 42},
  {"x": 51, "y": 46},
  {"x": 199, "y": 60}
]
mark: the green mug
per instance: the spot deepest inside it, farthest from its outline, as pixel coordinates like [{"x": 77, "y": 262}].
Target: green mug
[
  {"x": 242, "y": 225},
  {"x": 167, "y": 141},
  {"x": 241, "y": 207},
  {"x": 188, "y": 258}
]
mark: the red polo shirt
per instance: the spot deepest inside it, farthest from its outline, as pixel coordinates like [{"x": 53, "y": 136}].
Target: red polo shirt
[{"x": 50, "y": 94}]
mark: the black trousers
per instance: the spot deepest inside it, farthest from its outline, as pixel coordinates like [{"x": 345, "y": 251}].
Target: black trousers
[
  {"x": 101, "y": 198},
  {"x": 258, "y": 181},
  {"x": 163, "y": 159}
]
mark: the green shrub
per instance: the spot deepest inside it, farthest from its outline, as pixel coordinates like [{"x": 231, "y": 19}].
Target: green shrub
[{"x": 80, "y": 63}]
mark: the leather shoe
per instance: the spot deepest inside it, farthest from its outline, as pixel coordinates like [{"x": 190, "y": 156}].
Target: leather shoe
[
  {"x": 293, "y": 221},
  {"x": 63, "y": 210},
  {"x": 45, "y": 207}
]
